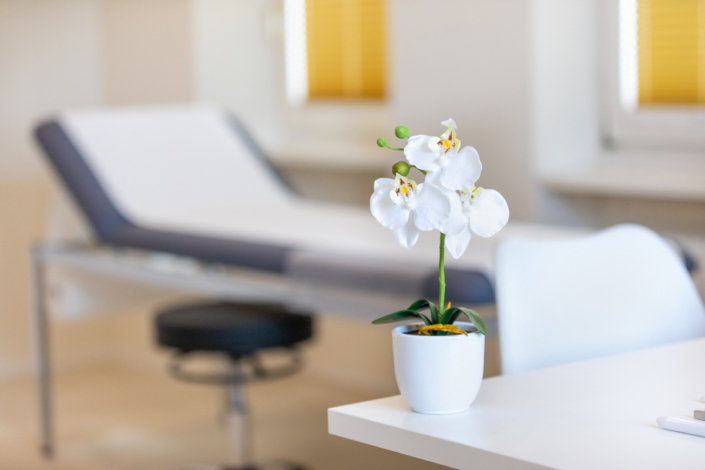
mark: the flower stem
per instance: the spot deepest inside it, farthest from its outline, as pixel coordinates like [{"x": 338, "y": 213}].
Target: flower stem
[
  {"x": 394, "y": 148},
  {"x": 422, "y": 171},
  {"x": 442, "y": 275}
]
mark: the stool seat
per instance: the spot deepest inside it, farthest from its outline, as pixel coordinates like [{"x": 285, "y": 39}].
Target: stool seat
[{"x": 231, "y": 328}]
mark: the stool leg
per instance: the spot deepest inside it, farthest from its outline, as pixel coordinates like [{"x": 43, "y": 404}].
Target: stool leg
[{"x": 237, "y": 427}]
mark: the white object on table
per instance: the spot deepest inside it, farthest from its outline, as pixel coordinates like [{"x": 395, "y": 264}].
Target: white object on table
[
  {"x": 594, "y": 414},
  {"x": 420, "y": 375},
  {"x": 684, "y": 425}
]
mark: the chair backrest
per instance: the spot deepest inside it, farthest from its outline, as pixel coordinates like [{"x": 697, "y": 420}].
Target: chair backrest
[{"x": 619, "y": 290}]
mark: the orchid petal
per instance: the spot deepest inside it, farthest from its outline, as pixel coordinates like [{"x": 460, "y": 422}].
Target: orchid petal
[
  {"x": 462, "y": 170},
  {"x": 433, "y": 177},
  {"x": 433, "y": 207},
  {"x": 408, "y": 234},
  {"x": 388, "y": 213},
  {"x": 386, "y": 182},
  {"x": 457, "y": 221},
  {"x": 450, "y": 123},
  {"x": 419, "y": 154},
  {"x": 488, "y": 213},
  {"x": 432, "y": 144},
  {"x": 458, "y": 243}
]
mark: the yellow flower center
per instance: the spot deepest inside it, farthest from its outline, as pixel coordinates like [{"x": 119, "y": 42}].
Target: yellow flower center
[
  {"x": 403, "y": 187},
  {"x": 448, "y": 142}
]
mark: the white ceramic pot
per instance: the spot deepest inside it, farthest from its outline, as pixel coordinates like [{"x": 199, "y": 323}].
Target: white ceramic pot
[{"x": 439, "y": 374}]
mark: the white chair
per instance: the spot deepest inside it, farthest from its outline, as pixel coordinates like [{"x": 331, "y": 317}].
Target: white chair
[{"x": 619, "y": 290}]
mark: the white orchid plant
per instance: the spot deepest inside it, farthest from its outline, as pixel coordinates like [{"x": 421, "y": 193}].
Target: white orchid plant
[{"x": 447, "y": 201}]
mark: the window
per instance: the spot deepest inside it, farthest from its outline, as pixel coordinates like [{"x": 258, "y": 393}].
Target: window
[
  {"x": 335, "y": 49},
  {"x": 671, "y": 51},
  {"x": 656, "y": 77}
]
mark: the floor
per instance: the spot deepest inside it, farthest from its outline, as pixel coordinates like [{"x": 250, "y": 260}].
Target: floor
[{"x": 113, "y": 417}]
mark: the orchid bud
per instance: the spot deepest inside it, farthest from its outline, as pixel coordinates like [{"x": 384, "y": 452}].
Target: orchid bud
[
  {"x": 402, "y": 132},
  {"x": 382, "y": 142},
  {"x": 402, "y": 168}
]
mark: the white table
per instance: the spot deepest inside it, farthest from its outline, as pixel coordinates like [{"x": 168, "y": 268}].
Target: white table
[{"x": 598, "y": 414}]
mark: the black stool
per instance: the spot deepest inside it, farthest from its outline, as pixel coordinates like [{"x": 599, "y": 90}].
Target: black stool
[{"x": 238, "y": 331}]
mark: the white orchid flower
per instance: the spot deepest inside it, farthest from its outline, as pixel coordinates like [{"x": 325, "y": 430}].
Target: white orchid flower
[
  {"x": 447, "y": 165},
  {"x": 483, "y": 211},
  {"x": 407, "y": 208}
]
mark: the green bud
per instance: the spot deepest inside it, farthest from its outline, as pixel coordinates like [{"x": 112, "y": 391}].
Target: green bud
[
  {"x": 402, "y": 168},
  {"x": 401, "y": 132},
  {"x": 382, "y": 142}
]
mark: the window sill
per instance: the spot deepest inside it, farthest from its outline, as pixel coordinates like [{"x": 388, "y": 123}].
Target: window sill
[
  {"x": 336, "y": 135},
  {"x": 670, "y": 177}
]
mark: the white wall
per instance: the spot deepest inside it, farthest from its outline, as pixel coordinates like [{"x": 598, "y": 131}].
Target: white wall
[
  {"x": 469, "y": 60},
  {"x": 564, "y": 86},
  {"x": 146, "y": 51},
  {"x": 239, "y": 64},
  {"x": 49, "y": 60},
  {"x": 564, "y": 91},
  {"x": 74, "y": 53}
]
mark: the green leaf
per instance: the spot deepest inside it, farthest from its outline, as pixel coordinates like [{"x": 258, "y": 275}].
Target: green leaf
[
  {"x": 401, "y": 315},
  {"x": 424, "y": 303},
  {"x": 476, "y": 319},
  {"x": 451, "y": 315}
]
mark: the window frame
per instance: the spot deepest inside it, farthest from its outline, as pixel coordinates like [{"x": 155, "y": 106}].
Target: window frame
[
  {"x": 346, "y": 120},
  {"x": 627, "y": 126}
]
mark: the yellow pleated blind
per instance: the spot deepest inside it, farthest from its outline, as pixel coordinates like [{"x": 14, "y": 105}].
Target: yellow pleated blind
[
  {"x": 346, "y": 48},
  {"x": 671, "y": 51}
]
